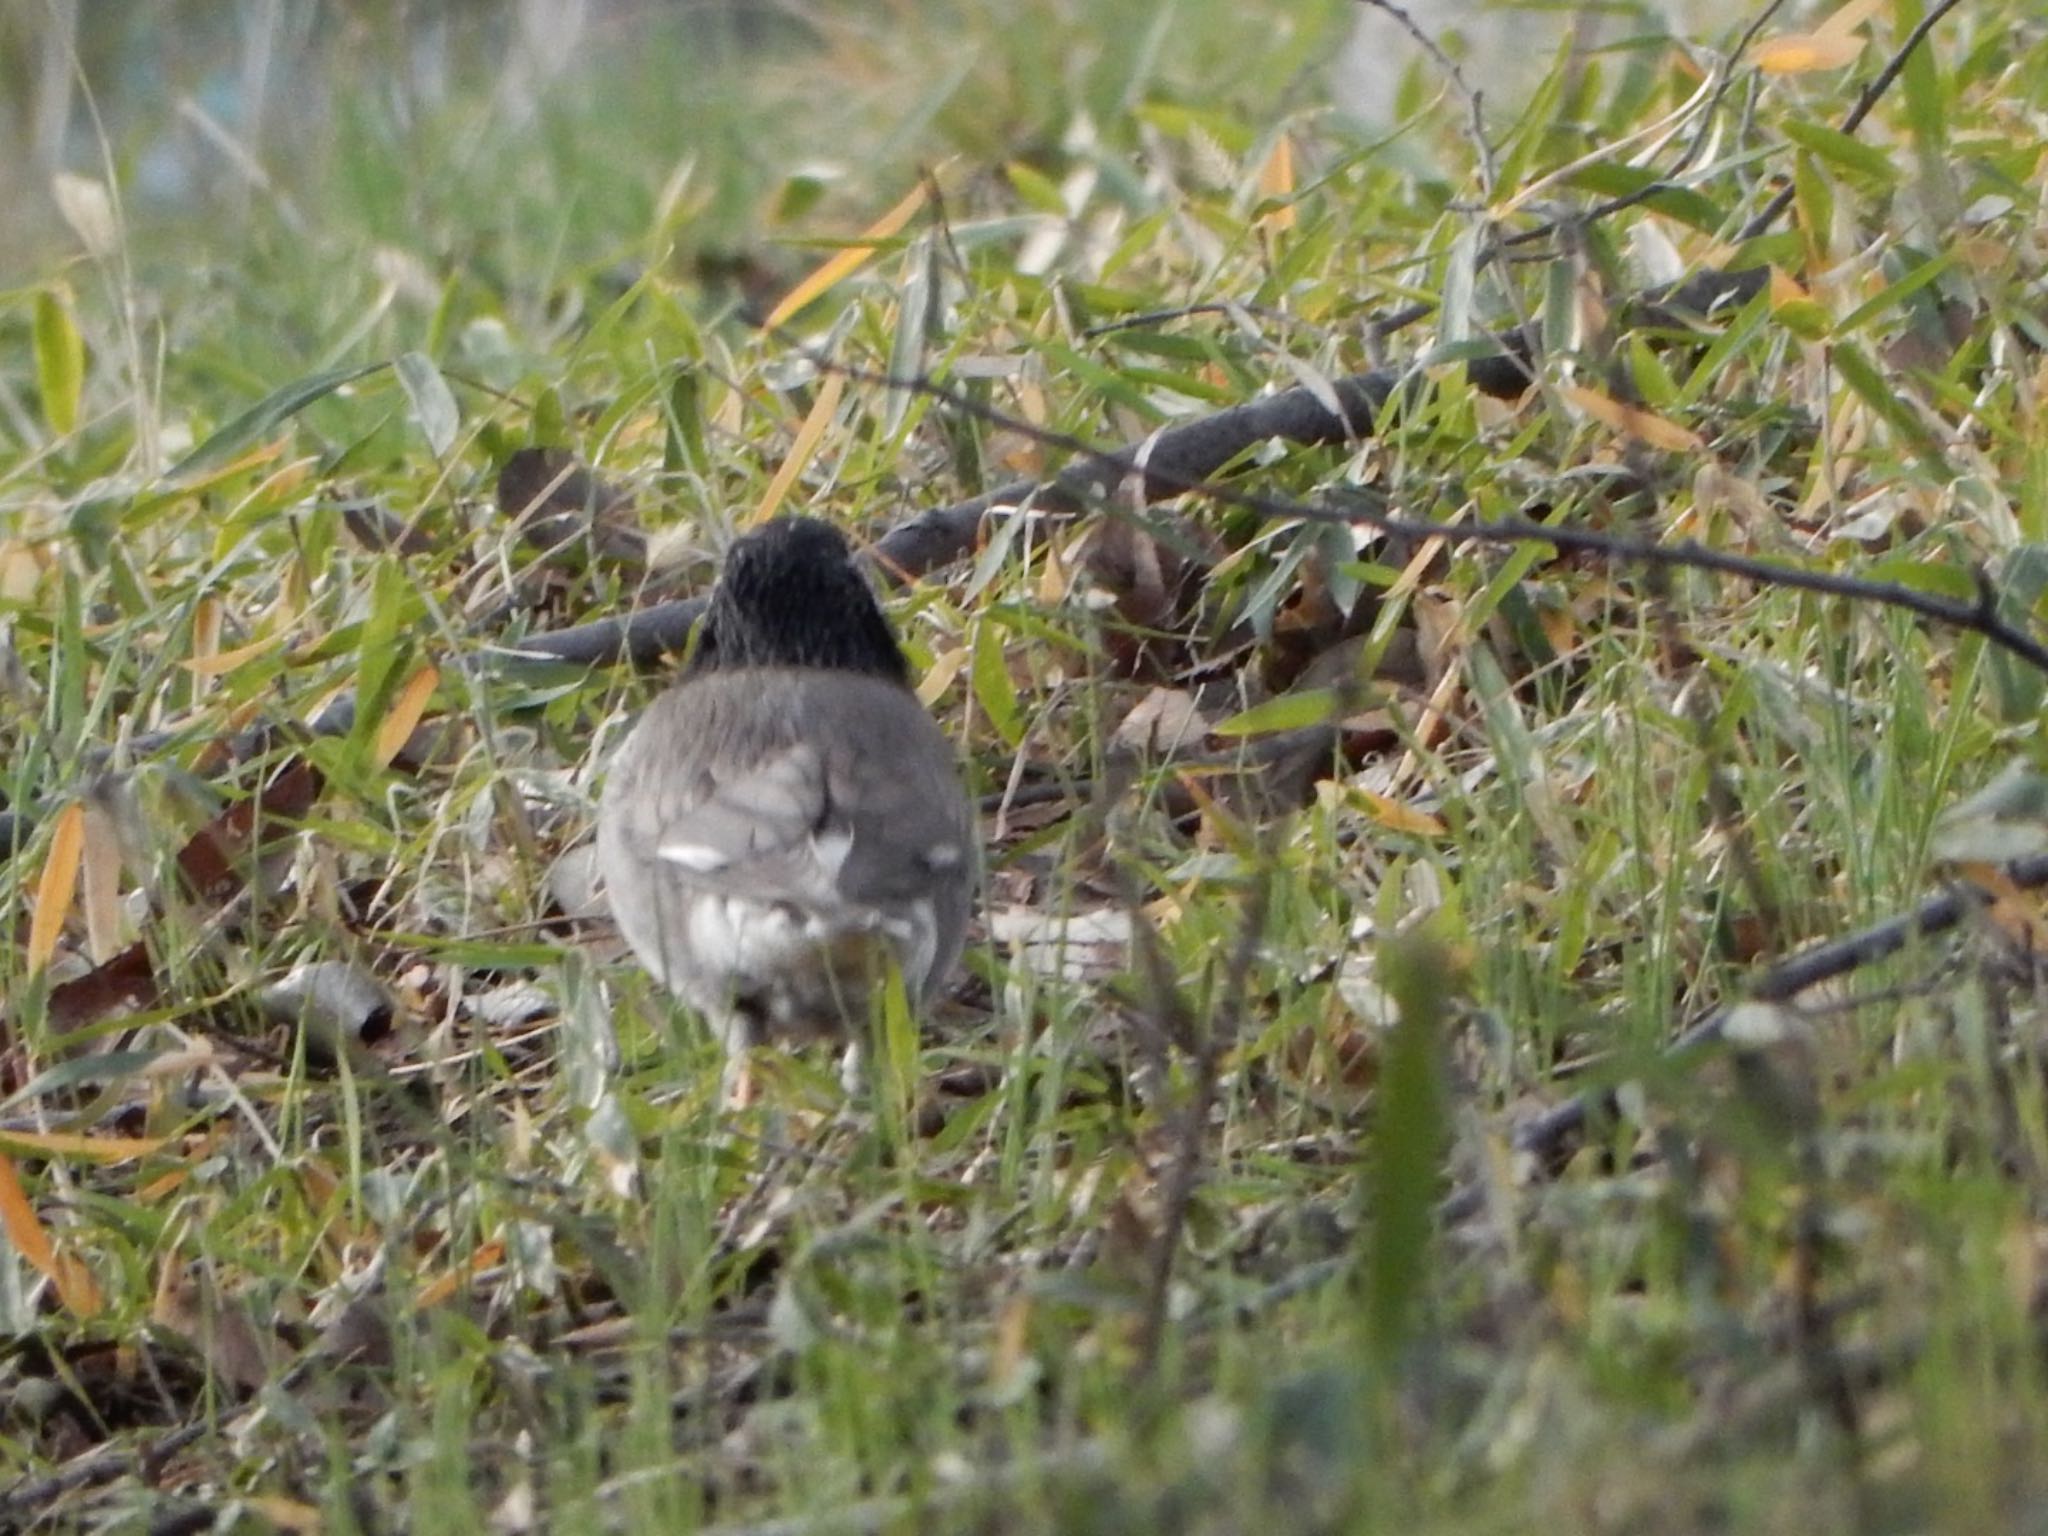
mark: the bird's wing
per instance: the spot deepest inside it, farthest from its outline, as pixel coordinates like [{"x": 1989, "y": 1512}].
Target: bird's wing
[
  {"x": 848, "y": 798},
  {"x": 891, "y": 783},
  {"x": 755, "y": 827}
]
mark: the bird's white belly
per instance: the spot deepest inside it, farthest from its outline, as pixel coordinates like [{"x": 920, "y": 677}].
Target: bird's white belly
[{"x": 799, "y": 971}]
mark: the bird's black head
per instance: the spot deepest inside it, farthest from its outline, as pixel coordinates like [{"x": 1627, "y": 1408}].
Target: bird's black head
[{"x": 790, "y": 596}]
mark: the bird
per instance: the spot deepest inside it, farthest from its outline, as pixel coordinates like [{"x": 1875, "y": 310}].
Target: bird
[{"x": 788, "y": 819}]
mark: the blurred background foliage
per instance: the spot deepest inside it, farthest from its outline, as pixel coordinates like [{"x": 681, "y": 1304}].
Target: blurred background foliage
[
  {"x": 261, "y": 119},
  {"x": 466, "y": 127}
]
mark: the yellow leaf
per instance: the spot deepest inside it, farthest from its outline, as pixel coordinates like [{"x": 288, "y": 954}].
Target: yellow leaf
[
  {"x": 161, "y": 1186},
  {"x": 96, "y": 1149},
  {"x": 444, "y": 1285},
  {"x": 1276, "y": 184},
  {"x": 287, "y": 480},
  {"x": 1055, "y": 580},
  {"x": 259, "y": 455},
  {"x": 945, "y": 666},
  {"x": 60, "y": 359},
  {"x": 57, "y": 885},
  {"x": 1807, "y": 53},
  {"x": 1792, "y": 308},
  {"x": 1413, "y": 572},
  {"x": 1012, "y": 1340},
  {"x": 1849, "y": 18},
  {"x": 286, "y": 1514},
  {"x": 848, "y": 260},
  {"x": 1559, "y": 628},
  {"x": 406, "y": 711},
  {"x": 1633, "y": 421},
  {"x": 806, "y": 444},
  {"x": 215, "y": 663},
  {"x": 21, "y": 571},
  {"x": 75, "y": 1287},
  {"x": 1785, "y": 288},
  {"x": 1399, "y": 817}
]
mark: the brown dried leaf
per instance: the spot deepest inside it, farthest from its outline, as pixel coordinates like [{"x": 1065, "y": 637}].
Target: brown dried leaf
[
  {"x": 1165, "y": 720},
  {"x": 236, "y": 1350},
  {"x": 215, "y": 862},
  {"x": 552, "y": 500},
  {"x": 1633, "y": 421}
]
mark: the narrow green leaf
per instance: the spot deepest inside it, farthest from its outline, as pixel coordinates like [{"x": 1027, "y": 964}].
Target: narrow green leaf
[
  {"x": 1110, "y": 383},
  {"x": 801, "y": 192},
  {"x": 907, "y": 347},
  {"x": 895, "y": 1075},
  {"x": 1560, "y": 306},
  {"x": 1840, "y": 150},
  {"x": 434, "y": 410},
  {"x": 1680, "y": 203},
  {"x": 1875, "y": 391},
  {"x": 1897, "y": 294},
  {"x": 993, "y": 690},
  {"x": 265, "y": 417},
  {"x": 1524, "y": 151},
  {"x": 1926, "y": 95},
  {"x": 1814, "y": 197},
  {"x": 78, "y": 1072},
  {"x": 1461, "y": 279},
  {"x": 382, "y": 650},
  {"x": 1652, "y": 380},
  {"x": 1035, "y": 189},
  {"x": 1409, "y": 1138},
  {"x": 60, "y": 360},
  {"x": 1187, "y": 384},
  {"x": 684, "y": 446},
  {"x": 1925, "y": 576},
  {"x": 1287, "y": 712},
  {"x": 550, "y": 418},
  {"x": 1735, "y": 335},
  {"x": 2017, "y": 687}
]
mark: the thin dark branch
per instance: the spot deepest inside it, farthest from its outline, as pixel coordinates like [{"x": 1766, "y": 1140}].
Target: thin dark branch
[
  {"x": 31, "y": 1497},
  {"x": 1937, "y": 914},
  {"x": 1866, "y": 100},
  {"x": 1668, "y": 182},
  {"x": 1153, "y": 317},
  {"x": 1180, "y": 460},
  {"x": 1165, "y": 470},
  {"x": 1448, "y": 67}
]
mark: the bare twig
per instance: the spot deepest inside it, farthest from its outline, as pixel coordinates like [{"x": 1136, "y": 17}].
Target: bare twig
[
  {"x": 1216, "y": 1035},
  {"x": 1937, "y": 914},
  {"x": 1866, "y": 100},
  {"x": 32, "y": 1497},
  {"x": 1359, "y": 396},
  {"x": 1448, "y": 67},
  {"x": 1152, "y": 317},
  {"x": 1668, "y": 182}
]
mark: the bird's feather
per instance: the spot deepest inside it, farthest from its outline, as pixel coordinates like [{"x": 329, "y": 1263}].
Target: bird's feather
[{"x": 765, "y": 829}]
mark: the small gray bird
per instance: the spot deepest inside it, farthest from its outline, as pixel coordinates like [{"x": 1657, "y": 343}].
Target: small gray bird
[{"x": 788, "y": 815}]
